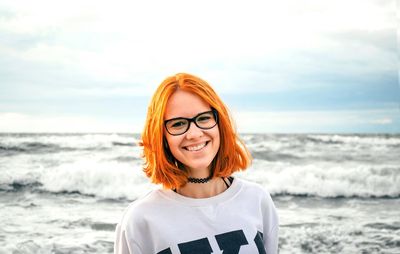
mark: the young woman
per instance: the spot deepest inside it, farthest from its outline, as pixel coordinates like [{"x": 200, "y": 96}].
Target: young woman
[{"x": 191, "y": 148}]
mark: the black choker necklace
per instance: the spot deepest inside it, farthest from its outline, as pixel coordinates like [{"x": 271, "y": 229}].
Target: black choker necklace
[{"x": 199, "y": 180}]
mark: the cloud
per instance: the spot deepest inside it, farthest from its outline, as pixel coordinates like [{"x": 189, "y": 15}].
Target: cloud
[
  {"x": 382, "y": 121},
  {"x": 324, "y": 52},
  {"x": 6, "y": 15},
  {"x": 384, "y": 39}
]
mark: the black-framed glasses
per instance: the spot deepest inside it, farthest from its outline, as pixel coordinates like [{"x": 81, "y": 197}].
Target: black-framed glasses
[{"x": 180, "y": 125}]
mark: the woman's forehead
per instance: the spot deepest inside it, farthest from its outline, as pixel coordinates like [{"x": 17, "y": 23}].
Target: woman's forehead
[{"x": 185, "y": 104}]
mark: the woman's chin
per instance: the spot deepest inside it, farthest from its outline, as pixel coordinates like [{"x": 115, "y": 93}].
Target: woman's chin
[{"x": 198, "y": 168}]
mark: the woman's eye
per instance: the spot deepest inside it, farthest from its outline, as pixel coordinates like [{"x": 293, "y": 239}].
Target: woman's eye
[
  {"x": 178, "y": 124},
  {"x": 203, "y": 118}
]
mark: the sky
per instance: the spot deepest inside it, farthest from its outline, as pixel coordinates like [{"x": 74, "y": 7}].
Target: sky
[{"x": 288, "y": 66}]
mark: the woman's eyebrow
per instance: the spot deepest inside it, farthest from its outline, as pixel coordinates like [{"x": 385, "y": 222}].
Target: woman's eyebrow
[{"x": 199, "y": 113}]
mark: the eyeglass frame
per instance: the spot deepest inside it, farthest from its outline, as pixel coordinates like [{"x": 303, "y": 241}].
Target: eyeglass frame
[{"x": 193, "y": 119}]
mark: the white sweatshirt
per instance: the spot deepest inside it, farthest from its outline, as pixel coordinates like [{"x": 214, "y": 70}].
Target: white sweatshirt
[{"x": 242, "y": 219}]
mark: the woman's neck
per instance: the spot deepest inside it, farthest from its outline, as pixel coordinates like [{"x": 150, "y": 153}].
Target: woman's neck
[{"x": 203, "y": 190}]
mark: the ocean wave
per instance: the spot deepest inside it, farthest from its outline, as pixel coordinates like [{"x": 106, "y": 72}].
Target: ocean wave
[
  {"x": 384, "y": 139},
  {"x": 327, "y": 180},
  {"x": 285, "y": 164},
  {"x": 384, "y": 226},
  {"x": 127, "y": 158},
  {"x": 107, "y": 180},
  {"x": 41, "y": 148},
  {"x": 274, "y": 156},
  {"x": 110, "y": 180},
  {"x": 95, "y": 225},
  {"x": 298, "y": 143},
  {"x": 122, "y": 181},
  {"x": 30, "y": 246},
  {"x": 14, "y": 144},
  {"x": 123, "y": 143},
  {"x": 20, "y": 185},
  {"x": 29, "y": 147}
]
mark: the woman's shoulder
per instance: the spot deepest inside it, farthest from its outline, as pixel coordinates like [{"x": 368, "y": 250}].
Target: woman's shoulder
[
  {"x": 259, "y": 194},
  {"x": 252, "y": 186},
  {"x": 254, "y": 189}
]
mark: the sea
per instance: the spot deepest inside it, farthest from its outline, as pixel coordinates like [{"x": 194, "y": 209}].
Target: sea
[{"x": 65, "y": 193}]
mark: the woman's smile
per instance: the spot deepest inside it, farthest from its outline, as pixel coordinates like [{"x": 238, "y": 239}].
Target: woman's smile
[{"x": 197, "y": 147}]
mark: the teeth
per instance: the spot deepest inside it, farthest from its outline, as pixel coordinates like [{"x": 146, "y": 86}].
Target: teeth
[{"x": 196, "y": 148}]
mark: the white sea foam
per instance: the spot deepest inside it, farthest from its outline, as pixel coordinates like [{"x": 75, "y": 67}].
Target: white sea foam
[
  {"x": 115, "y": 180},
  {"x": 357, "y": 139},
  {"x": 339, "y": 165},
  {"x": 78, "y": 141},
  {"x": 106, "y": 180},
  {"x": 327, "y": 180}
]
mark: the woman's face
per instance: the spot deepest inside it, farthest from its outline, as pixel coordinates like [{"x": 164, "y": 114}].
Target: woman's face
[{"x": 197, "y": 147}]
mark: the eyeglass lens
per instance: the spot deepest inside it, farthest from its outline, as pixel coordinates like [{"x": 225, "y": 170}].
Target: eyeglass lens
[{"x": 179, "y": 126}]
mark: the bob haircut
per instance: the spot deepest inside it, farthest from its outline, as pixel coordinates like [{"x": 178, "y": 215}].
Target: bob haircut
[{"x": 160, "y": 165}]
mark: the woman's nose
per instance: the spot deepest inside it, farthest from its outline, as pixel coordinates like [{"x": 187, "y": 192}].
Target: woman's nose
[{"x": 194, "y": 131}]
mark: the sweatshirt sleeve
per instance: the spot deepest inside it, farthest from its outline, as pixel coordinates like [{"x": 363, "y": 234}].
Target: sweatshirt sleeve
[
  {"x": 271, "y": 226},
  {"x": 122, "y": 243},
  {"x": 271, "y": 241}
]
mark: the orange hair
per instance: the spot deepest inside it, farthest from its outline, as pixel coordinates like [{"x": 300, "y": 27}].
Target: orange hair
[{"x": 160, "y": 165}]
